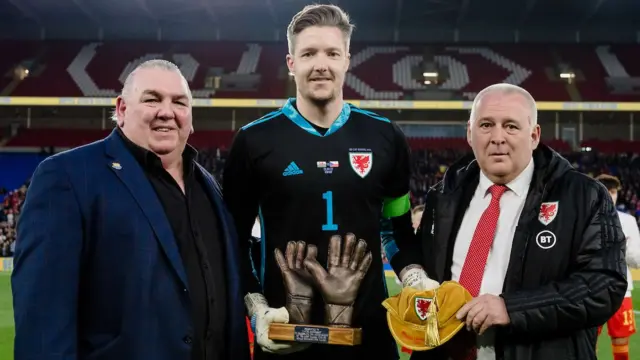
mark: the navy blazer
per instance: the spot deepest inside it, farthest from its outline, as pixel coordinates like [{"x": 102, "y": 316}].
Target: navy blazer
[{"x": 97, "y": 272}]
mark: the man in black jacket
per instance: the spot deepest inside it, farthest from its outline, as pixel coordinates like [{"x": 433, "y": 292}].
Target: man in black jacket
[{"x": 538, "y": 244}]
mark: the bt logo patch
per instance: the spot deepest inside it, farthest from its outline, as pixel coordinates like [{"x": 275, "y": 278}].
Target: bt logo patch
[{"x": 546, "y": 239}]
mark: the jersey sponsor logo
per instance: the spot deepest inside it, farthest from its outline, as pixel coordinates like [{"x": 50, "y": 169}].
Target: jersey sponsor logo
[
  {"x": 421, "y": 306},
  {"x": 548, "y": 212},
  {"x": 292, "y": 170},
  {"x": 361, "y": 162},
  {"x": 546, "y": 239}
]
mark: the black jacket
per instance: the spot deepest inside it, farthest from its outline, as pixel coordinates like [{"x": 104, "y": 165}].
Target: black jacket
[{"x": 560, "y": 284}]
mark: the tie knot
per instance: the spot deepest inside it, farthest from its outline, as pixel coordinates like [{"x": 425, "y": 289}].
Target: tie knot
[{"x": 497, "y": 191}]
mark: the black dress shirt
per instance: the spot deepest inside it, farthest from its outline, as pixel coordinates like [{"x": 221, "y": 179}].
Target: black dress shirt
[{"x": 195, "y": 225}]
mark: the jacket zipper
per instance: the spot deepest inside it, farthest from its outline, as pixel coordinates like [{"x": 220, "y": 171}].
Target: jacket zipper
[{"x": 528, "y": 235}]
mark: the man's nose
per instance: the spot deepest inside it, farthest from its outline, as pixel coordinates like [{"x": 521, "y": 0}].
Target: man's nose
[
  {"x": 320, "y": 65},
  {"x": 320, "y": 69},
  {"x": 497, "y": 135},
  {"x": 165, "y": 111}
]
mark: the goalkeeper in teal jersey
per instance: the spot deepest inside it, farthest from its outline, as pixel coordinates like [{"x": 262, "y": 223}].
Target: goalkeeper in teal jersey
[{"x": 318, "y": 167}]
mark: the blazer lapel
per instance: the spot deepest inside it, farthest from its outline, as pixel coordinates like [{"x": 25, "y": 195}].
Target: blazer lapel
[{"x": 124, "y": 165}]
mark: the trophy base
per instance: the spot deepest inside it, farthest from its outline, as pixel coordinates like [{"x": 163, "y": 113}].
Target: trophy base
[{"x": 315, "y": 334}]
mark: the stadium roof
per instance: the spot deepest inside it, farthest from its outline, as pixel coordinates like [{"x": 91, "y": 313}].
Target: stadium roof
[{"x": 384, "y": 20}]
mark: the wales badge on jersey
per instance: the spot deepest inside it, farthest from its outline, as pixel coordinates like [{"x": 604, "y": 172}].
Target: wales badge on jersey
[{"x": 361, "y": 162}]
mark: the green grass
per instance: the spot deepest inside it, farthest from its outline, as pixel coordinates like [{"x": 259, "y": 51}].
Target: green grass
[
  {"x": 6, "y": 317},
  {"x": 7, "y": 330},
  {"x": 604, "y": 342}
]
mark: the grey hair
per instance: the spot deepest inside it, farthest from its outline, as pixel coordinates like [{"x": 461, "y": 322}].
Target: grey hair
[
  {"x": 506, "y": 89},
  {"x": 319, "y": 15},
  {"x": 150, "y": 64}
]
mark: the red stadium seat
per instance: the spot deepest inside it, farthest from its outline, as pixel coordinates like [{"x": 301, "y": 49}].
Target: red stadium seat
[{"x": 377, "y": 72}]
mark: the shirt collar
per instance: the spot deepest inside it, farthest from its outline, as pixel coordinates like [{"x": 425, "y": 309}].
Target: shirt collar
[
  {"x": 518, "y": 186},
  {"x": 149, "y": 159}
]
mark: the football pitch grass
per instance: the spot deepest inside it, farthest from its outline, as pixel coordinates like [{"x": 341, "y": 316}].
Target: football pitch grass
[{"x": 7, "y": 329}]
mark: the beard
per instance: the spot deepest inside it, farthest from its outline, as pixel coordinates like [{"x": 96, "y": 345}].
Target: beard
[{"x": 321, "y": 100}]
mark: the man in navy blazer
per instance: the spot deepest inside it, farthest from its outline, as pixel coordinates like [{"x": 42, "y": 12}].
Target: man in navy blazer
[{"x": 125, "y": 250}]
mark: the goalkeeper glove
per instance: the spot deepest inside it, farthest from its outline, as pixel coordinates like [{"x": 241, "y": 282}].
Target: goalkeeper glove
[
  {"x": 417, "y": 278},
  {"x": 262, "y": 316}
]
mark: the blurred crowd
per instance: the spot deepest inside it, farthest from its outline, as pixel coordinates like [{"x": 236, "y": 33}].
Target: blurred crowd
[
  {"x": 9, "y": 215},
  {"x": 428, "y": 169},
  {"x": 430, "y": 166}
]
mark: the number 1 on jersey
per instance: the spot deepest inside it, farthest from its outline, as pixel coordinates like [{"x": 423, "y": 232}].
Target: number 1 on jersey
[{"x": 329, "y": 226}]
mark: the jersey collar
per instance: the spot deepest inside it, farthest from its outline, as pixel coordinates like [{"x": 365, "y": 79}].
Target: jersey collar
[{"x": 290, "y": 111}]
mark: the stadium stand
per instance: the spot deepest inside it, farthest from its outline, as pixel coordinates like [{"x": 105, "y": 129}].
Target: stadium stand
[{"x": 257, "y": 70}]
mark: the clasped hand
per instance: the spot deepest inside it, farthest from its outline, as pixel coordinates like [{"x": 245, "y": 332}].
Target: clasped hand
[{"x": 482, "y": 312}]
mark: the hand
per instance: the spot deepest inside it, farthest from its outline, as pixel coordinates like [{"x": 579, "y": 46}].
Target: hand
[
  {"x": 483, "y": 312},
  {"x": 297, "y": 280},
  {"x": 262, "y": 316},
  {"x": 340, "y": 284},
  {"x": 415, "y": 277}
]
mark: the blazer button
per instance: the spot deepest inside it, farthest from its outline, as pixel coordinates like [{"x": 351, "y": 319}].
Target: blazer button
[{"x": 187, "y": 340}]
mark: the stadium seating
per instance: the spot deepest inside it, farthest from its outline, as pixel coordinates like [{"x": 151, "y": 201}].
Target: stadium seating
[{"x": 71, "y": 69}]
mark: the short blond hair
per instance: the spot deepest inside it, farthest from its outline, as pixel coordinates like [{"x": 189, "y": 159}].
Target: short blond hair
[{"x": 319, "y": 15}]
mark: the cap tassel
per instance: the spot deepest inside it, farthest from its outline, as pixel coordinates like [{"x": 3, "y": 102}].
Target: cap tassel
[{"x": 432, "y": 336}]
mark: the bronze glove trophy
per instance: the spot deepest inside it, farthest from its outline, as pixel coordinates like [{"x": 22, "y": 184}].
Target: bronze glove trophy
[
  {"x": 339, "y": 284},
  {"x": 297, "y": 280}
]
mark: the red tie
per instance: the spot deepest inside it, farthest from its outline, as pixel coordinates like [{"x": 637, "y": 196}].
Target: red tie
[{"x": 474, "y": 264}]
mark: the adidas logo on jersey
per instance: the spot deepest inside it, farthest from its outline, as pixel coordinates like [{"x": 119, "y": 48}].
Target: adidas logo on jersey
[{"x": 292, "y": 169}]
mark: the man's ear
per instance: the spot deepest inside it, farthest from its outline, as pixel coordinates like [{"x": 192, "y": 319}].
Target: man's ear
[
  {"x": 121, "y": 107},
  {"x": 290, "y": 63},
  {"x": 535, "y": 136}
]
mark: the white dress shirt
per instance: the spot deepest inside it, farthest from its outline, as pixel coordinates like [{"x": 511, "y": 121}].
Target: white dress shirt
[
  {"x": 511, "y": 204},
  {"x": 631, "y": 232},
  {"x": 255, "y": 231}
]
